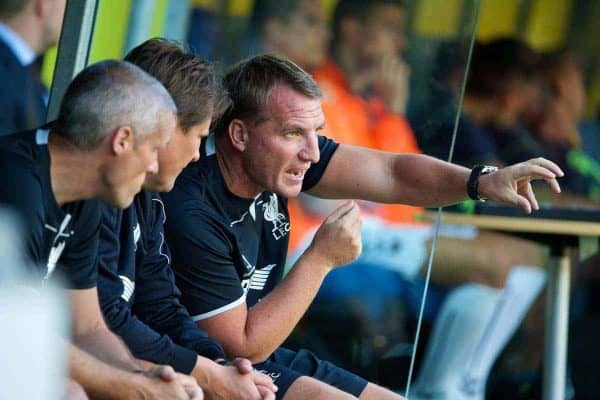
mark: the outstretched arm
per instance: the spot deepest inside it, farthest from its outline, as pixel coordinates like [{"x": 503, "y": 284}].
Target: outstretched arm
[{"x": 426, "y": 181}]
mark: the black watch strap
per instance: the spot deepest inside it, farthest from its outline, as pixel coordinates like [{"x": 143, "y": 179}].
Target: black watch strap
[{"x": 473, "y": 182}]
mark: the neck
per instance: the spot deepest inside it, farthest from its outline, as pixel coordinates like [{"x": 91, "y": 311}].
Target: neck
[
  {"x": 236, "y": 178},
  {"x": 29, "y": 30},
  {"x": 73, "y": 172}
]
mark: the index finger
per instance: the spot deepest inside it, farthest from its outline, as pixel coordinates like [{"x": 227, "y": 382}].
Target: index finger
[
  {"x": 342, "y": 210},
  {"x": 549, "y": 165}
]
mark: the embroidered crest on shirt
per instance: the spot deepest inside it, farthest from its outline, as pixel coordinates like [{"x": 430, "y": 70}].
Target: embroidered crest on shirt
[
  {"x": 58, "y": 245},
  {"x": 281, "y": 225}
]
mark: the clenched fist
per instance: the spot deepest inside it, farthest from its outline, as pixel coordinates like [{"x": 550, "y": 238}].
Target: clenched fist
[{"x": 338, "y": 240}]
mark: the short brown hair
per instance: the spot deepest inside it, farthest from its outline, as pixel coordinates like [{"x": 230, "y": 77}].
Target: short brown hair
[
  {"x": 249, "y": 84},
  {"x": 191, "y": 81}
]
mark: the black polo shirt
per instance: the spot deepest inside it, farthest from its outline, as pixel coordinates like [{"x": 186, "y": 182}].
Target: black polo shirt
[
  {"x": 59, "y": 240},
  {"x": 228, "y": 250}
]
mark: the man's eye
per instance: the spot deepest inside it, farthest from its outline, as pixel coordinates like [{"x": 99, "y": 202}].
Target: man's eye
[{"x": 293, "y": 133}]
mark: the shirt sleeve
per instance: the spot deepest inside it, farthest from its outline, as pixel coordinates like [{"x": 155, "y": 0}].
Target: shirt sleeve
[
  {"x": 20, "y": 192},
  {"x": 202, "y": 258},
  {"x": 157, "y": 296},
  {"x": 143, "y": 341},
  {"x": 326, "y": 148},
  {"x": 79, "y": 262}
]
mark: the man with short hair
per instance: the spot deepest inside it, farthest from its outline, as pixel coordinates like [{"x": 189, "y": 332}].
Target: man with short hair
[
  {"x": 136, "y": 286},
  {"x": 113, "y": 120},
  {"x": 228, "y": 224},
  {"x": 27, "y": 29}
]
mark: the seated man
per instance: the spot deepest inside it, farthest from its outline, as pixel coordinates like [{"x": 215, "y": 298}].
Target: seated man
[
  {"x": 228, "y": 225},
  {"x": 136, "y": 285},
  {"x": 113, "y": 119},
  {"x": 365, "y": 86}
]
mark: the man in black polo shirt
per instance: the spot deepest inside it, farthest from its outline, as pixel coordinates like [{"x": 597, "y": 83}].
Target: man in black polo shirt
[
  {"x": 136, "y": 286},
  {"x": 228, "y": 225},
  {"x": 113, "y": 119}
]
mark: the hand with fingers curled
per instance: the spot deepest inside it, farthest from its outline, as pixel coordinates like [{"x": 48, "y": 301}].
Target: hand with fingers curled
[
  {"x": 238, "y": 380},
  {"x": 162, "y": 382},
  {"x": 338, "y": 240},
  {"x": 512, "y": 184}
]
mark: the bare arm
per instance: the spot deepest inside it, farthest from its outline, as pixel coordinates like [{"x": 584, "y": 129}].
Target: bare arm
[
  {"x": 91, "y": 334},
  {"x": 103, "y": 381},
  {"x": 256, "y": 332},
  {"x": 356, "y": 172}
]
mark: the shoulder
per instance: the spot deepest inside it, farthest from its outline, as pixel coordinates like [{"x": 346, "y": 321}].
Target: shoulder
[
  {"x": 20, "y": 169},
  {"x": 327, "y": 148},
  {"x": 86, "y": 214}
]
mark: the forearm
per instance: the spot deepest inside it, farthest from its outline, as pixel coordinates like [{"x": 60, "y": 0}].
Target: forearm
[
  {"x": 272, "y": 320},
  {"x": 107, "y": 347},
  {"x": 99, "y": 380},
  {"x": 413, "y": 179},
  {"x": 426, "y": 181}
]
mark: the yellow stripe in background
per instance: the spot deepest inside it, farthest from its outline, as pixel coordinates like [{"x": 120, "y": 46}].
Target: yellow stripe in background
[
  {"x": 548, "y": 24},
  {"x": 206, "y": 4},
  {"x": 110, "y": 32},
  {"x": 498, "y": 18},
  {"x": 47, "y": 71},
  {"x": 239, "y": 8},
  {"x": 328, "y": 7},
  {"x": 158, "y": 19},
  {"x": 437, "y": 18}
]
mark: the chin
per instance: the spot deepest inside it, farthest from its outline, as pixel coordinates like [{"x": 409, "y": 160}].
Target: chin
[
  {"x": 118, "y": 200},
  {"x": 159, "y": 186},
  {"x": 289, "y": 192}
]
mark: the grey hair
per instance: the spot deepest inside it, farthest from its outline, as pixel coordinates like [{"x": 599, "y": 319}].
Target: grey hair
[{"x": 107, "y": 95}]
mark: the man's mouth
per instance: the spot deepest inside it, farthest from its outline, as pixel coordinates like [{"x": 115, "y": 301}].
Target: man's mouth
[{"x": 296, "y": 173}]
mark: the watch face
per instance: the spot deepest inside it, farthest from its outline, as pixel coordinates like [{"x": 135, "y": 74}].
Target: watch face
[{"x": 488, "y": 169}]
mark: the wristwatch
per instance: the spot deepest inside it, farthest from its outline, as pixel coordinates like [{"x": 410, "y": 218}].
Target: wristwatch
[{"x": 473, "y": 182}]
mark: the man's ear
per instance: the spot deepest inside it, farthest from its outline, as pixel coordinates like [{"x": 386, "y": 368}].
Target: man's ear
[
  {"x": 122, "y": 140},
  {"x": 238, "y": 134}
]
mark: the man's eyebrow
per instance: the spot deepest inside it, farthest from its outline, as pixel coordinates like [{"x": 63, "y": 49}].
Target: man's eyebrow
[{"x": 293, "y": 127}]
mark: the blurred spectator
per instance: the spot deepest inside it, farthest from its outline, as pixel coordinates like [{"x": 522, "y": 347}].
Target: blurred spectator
[
  {"x": 556, "y": 128},
  {"x": 518, "y": 103},
  {"x": 27, "y": 29},
  {"x": 502, "y": 87}
]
